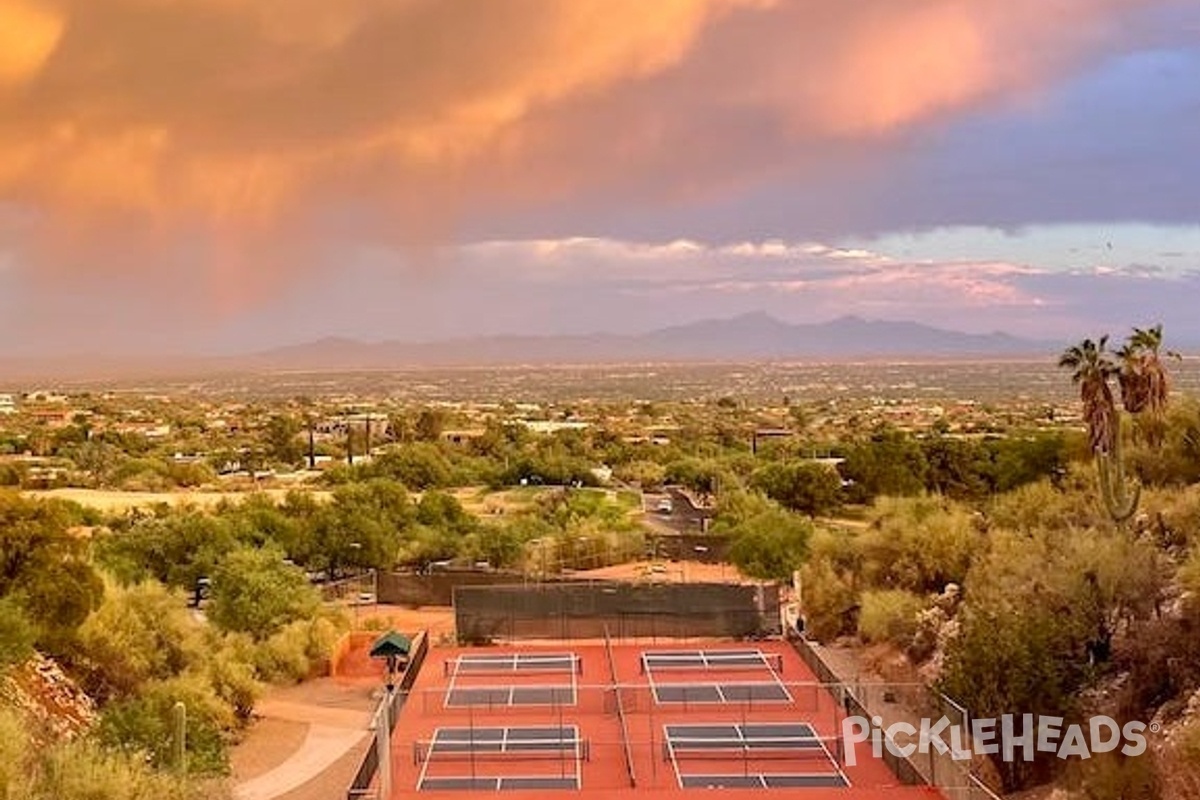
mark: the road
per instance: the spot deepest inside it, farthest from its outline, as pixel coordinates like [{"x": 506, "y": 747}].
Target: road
[{"x": 685, "y": 516}]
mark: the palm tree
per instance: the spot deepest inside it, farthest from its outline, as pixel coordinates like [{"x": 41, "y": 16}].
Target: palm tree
[
  {"x": 1091, "y": 366},
  {"x": 1150, "y": 342},
  {"x": 1145, "y": 384},
  {"x": 1133, "y": 379}
]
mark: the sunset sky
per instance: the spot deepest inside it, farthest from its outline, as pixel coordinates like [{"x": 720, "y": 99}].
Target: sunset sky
[{"x": 218, "y": 176}]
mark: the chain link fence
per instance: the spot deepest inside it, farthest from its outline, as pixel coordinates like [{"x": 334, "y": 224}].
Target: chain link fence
[
  {"x": 485, "y": 614},
  {"x": 891, "y": 702}
]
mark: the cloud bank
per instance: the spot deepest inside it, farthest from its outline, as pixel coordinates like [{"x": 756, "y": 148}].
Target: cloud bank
[
  {"x": 237, "y": 137},
  {"x": 586, "y": 285}
]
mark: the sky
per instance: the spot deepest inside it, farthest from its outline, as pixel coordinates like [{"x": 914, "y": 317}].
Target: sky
[{"x": 224, "y": 176}]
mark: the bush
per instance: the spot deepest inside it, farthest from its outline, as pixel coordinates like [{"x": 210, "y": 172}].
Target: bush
[
  {"x": 256, "y": 592},
  {"x": 139, "y": 633},
  {"x": 283, "y": 658},
  {"x": 293, "y": 653},
  {"x": 889, "y": 616},
  {"x": 83, "y": 771},
  {"x": 828, "y": 601},
  {"x": 14, "y": 755},
  {"x": 17, "y": 634},
  {"x": 1189, "y": 583},
  {"x": 1179, "y": 763},
  {"x": 144, "y": 726},
  {"x": 919, "y": 544},
  {"x": 1041, "y": 505},
  {"x": 1112, "y": 776},
  {"x": 233, "y": 679},
  {"x": 771, "y": 545}
]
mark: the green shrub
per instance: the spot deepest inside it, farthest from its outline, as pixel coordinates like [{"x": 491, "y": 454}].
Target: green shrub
[
  {"x": 828, "y": 601},
  {"x": 283, "y": 658},
  {"x": 255, "y": 591},
  {"x": 144, "y": 725},
  {"x": 232, "y": 677},
  {"x": 295, "y": 650},
  {"x": 82, "y": 771},
  {"x": 14, "y": 757},
  {"x": 17, "y": 633},
  {"x": 139, "y": 633},
  {"x": 889, "y": 616},
  {"x": 920, "y": 544}
]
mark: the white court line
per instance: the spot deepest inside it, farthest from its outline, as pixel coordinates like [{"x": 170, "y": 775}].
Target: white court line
[
  {"x": 428, "y": 757},
  {"x": 510, "y": 697},
  {"x": 450, "y": 686},
  {"x": 671, "y": 753},
  {"x": 783, "y": 686},
  {"x": 713, "y": 658},
  {"x": 832, "y": 760},
  {"x": 578, "y": 754},
  {"x": 574, "y": 690}
]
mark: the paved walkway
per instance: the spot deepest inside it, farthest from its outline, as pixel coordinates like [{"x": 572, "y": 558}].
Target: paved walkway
[
  {"x": 337, "y": 717},
  {"x": 323, "y": 747}
]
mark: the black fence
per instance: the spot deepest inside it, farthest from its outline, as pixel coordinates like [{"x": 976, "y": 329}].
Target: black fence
[
  {"x": 624, "y": 611},
  {"x": 853, "y": 706},
  {"x": 435, "y": 588},
  {"x": 956, "y": 780},
  {"x": 388, "y": 714}
]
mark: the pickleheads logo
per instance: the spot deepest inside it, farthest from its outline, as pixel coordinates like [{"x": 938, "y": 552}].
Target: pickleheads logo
[{"x": 995, "y": 737}]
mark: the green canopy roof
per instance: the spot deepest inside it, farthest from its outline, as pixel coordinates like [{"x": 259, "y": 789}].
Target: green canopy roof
[{"x": 391, "y": 644}]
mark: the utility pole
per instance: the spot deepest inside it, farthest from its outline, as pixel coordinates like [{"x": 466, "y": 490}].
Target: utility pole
[{"x": 312, "y": 444}]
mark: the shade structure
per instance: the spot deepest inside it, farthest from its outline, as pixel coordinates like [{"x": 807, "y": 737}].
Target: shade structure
[{"x": 391, "y": 645}]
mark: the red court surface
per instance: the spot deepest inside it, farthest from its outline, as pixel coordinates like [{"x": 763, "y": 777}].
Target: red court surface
[{"x": 741, "y": 720}]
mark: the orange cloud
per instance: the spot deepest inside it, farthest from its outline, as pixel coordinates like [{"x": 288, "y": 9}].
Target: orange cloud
[
  {"x": 245, "y": 120},
  {"x": 29, "y": 32},
  {"x": 228, "y": 109}
]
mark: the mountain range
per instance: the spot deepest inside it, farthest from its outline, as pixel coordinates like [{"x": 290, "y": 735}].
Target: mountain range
[
  {"x": 756, "y": 336},
  {"x": 749, "y": 337}
]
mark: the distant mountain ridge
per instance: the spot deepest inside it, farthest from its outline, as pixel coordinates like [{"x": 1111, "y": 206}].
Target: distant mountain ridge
[
  {"x": 748, "y": 337},
  {"x": 753, "y": 336}
]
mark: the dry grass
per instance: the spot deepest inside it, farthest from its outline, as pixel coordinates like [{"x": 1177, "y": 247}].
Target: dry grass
[{"x": 117, "y": 501}]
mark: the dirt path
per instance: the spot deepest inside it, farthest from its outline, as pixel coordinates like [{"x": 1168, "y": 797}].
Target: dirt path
[{"x": 268, "y": 743}]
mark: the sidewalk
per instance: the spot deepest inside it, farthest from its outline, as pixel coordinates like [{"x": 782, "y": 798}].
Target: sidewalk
[
  {"x": 323, "y": 747},
  {"x": 334, "y": 717}
]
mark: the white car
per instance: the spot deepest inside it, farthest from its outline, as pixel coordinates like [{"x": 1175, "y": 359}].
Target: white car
[{"x": 665, "y": 506}]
